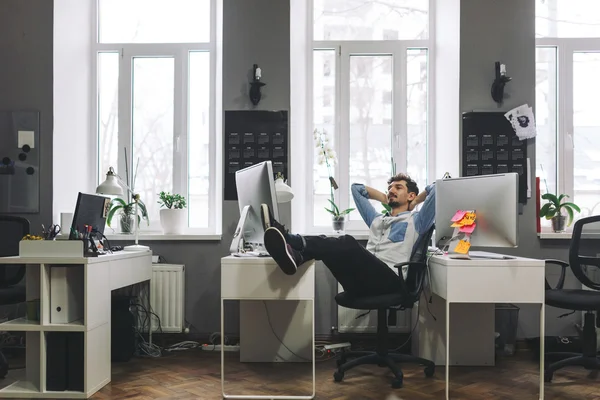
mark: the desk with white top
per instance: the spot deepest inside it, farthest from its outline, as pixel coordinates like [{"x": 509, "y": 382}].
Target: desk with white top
[
  {"x": 473, "y": 287},
  {"x": 96, "y": 278},
  {"x": 270, "y": 331}
]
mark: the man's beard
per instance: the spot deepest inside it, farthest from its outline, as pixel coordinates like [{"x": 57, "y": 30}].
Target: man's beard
[{"x": 394, "y": 203}]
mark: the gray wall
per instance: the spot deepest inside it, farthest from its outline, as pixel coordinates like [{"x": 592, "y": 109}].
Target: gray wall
[{"x": 26, "y": 80}]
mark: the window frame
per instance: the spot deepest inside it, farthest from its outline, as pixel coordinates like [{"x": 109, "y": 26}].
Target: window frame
[
  {"x": 565, "y": 50},
  {"x": 343, "y": 50},
  {"x": 180, "y": 52}
]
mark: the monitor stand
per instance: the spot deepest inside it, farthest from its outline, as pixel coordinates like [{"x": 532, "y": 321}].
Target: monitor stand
[{"x": 237, "y": 244}]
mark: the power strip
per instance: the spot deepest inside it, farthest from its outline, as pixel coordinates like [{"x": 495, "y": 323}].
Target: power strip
[
  {"x": 217, "y": 347},
  {"x": 337, "y": 346}
]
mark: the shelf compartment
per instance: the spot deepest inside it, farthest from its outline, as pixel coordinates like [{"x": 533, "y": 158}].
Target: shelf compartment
[
  {"x": 64, "y": 362},
  {"x": 25, "y": 383},
  {"x": 75, "y": 326},
  {"x": 20, "y": 325}
]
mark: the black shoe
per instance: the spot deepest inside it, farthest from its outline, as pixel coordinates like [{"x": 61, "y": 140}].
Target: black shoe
[
  {"x": 282, "y": 252},
  {"x": 268, "y": 221}
]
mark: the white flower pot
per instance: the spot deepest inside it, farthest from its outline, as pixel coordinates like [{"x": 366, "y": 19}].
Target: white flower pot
[{"x": 173, "y": 221}]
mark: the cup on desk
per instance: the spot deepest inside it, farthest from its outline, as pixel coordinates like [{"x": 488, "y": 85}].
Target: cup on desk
[{"x": 33, "y": 310}]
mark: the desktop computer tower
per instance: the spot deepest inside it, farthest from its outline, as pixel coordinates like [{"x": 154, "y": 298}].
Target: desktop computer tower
[{"x": 123, "y": 329}]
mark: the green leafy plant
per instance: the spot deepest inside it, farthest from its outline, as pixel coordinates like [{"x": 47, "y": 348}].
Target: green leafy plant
[
  {"x": 555, "y": 205},
  {"x": 127, "y": 208},
  {"x": 171, "y": 201},
  {"x": 326, "y": 155}
]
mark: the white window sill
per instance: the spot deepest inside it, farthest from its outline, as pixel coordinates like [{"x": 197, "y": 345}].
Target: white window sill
[
  {"x": 566, "y": 235},
  {"x": 162, "y": 237}
]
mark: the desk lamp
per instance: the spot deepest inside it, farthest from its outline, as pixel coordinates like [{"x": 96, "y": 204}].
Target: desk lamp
[
  {"x": 283, "y": 192},
  {"x": 113, "y": 186}
]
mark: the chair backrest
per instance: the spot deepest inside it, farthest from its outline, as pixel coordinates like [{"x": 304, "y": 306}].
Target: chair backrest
[
  {"x": 415, "y": 277},
  {"x": 12, "y": 230},
  {"x": 579, "y": 263}
]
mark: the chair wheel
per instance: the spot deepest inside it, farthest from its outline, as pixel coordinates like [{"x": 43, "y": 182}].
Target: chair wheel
[
  {"x": 548, "y": 376},
  {"x": 397, "y": 383},
  {"x": 338, "y": 376},
  {"x": 429, "y": 371}
]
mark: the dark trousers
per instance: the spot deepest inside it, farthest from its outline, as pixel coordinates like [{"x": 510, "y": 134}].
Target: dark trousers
[{"x": 356, "y": 269}]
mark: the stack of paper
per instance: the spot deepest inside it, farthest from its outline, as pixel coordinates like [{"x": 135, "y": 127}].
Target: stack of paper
[{"x": 522, "y": 121}]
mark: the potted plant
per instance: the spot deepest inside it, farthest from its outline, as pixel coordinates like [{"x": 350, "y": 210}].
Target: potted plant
[
  {"x": 326, "y": 155},
  {"x": 173, "y": 216},
  {"x": 553, "y": 210},
  {"x": 126, "y": 211}
]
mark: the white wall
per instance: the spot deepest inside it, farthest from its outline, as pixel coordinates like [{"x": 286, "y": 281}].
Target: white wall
[{"x": 74, "y": 161}]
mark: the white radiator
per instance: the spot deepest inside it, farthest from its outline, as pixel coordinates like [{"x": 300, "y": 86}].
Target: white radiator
[
  {"x": 347, "y": 322},
  {"x": 167, "y": 297}
]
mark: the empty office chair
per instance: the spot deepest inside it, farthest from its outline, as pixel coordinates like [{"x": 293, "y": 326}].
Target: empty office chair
[
  {"x": 12, "y": 290},
  {"x": 577, "y": 300},
  {"x": 408, "y": 294}
]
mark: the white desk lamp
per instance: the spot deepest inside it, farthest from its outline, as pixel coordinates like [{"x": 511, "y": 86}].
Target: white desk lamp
[
  {"x": 283, "y": 192},
  {"x": 113, "y": 186}
]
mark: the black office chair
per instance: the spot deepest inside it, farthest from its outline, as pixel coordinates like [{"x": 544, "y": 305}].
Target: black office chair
[
  {"x": 577, "y": 300},
  {"x": 408, "y": 294},
  {"x": 12, "y": 230}
]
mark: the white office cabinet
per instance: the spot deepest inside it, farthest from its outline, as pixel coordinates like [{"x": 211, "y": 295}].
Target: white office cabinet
[
  {"x": 66, "y": 294},
  {"x": 82, "y": 286}
]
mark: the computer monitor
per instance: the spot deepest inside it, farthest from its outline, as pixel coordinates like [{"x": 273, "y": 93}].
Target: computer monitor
[
  {"x": 90, "y": 210},
  {"x": 255, "y": 186},
  {"x": 495, "y": 200}
]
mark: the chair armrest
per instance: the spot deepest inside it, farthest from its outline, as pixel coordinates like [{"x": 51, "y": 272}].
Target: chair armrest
[
  {"x": 561, "y": 280},
  {"x": 410, "y": 264},
  {"x": 421, "y": 268}
]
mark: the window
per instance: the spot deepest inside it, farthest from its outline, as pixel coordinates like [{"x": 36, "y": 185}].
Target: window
[
  {"x": 156, "y": 102},
  {"x": 370, "y": 98},
  {"x": 568, "y": 125}
]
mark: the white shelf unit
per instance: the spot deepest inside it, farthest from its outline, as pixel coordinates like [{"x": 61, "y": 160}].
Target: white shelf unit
[{"x": 100, "y": 276}]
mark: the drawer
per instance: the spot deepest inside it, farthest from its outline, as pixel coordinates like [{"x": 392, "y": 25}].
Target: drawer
[{"x": 247, "y": 280}]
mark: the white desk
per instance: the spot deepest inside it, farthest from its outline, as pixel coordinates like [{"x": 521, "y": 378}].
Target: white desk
[
  {"x": 473, "y": 287},
  {"x": 100, "y": 276},
  {"x": 259, "y": 278}
]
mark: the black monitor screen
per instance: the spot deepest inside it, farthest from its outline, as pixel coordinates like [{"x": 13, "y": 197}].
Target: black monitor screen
[{"x": 91, "y": 210}]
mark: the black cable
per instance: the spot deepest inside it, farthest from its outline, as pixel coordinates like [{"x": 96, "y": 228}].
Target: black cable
[
  {"x": 147, "y": 317},
  {"x": 280, "y": 341}
]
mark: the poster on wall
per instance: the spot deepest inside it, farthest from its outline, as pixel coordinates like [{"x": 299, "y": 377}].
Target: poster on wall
[{"x": 252, "y": 137}]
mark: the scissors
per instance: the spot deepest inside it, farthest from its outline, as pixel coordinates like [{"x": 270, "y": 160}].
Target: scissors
[{"x": 51, "y": 233}]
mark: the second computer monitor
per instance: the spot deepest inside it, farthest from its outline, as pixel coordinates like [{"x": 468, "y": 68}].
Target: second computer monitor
[
  {"x": 495, "y": 200},
  {"x": 256, "y": 186}
]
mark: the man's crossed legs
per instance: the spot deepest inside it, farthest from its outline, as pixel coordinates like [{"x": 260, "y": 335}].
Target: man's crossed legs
[{"x": 356, "y": 269}]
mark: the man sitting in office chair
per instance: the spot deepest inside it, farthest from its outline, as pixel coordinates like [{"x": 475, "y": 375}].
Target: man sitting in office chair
[{"x": 361, "y": 271}]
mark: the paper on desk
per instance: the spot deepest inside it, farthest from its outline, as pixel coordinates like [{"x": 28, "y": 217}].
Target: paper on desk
[{"x": 522, "y": 121}]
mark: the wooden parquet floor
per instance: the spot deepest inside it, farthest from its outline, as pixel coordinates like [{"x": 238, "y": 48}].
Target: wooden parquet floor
[{"x": 194, "y": 374}]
